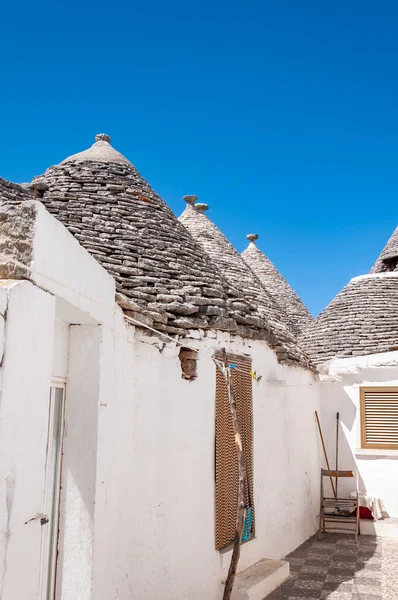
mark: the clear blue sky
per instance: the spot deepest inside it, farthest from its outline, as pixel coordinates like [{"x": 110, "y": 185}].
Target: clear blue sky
[{"x": 281, "y": 115}]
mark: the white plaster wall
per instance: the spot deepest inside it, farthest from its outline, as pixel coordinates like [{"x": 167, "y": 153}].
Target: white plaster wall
[
  {"x": 137, "y": 498},
  {"x": 60, "y": 350},
  {"x": 340, "y": 391},
  {"x": 154, "y": 515},
  {"x": 26, "y": 372},
  {"x": 62, "y": 267}
]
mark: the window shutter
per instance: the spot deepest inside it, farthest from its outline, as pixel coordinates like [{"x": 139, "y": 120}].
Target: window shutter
[
  {"x": 226, "y": 465},
  {"x": 379, "y": 418}
]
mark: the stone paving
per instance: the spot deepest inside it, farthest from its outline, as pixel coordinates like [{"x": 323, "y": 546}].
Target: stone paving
[{"x": 338, "y": 569}]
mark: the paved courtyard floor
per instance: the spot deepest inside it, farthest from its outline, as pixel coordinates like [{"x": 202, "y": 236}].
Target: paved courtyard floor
[{"x": 338, "y": 569}]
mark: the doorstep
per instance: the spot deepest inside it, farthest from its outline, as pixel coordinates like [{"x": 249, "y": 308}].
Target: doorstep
[{"x": 259, "y": 580}]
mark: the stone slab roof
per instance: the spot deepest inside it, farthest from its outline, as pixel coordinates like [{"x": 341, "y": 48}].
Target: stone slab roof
[
  {"x": 298, "y": 316},
  {"x": 101, "y": 151},
  {"x": 164, "y": 278},
  {"x": 388, "y": 259},
  {"x": 14, "y": 192},
  {"x": 361, "y": 320},
  {"x": 261, "y": 306}
]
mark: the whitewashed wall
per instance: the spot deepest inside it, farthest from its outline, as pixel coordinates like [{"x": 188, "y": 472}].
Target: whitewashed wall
[
  {"x": 68, "y": 287},
  {"x": 155, "y": 498},
  {"x": 137, "y": 498},
  {"x": 340, "y": 391},
  {"x": 26, "y": 373}
]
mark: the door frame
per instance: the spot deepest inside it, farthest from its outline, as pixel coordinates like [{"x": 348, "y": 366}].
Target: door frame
[{"x": 49, "y": 563}]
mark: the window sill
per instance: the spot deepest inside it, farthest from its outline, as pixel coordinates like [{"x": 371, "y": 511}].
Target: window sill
[
  {"x": 378, "y": 453},
  {"x": 230, "y": 547}
]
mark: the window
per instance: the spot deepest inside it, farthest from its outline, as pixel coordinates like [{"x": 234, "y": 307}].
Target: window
[
  {"x": 390, "y": 264},
  {"x": 379, "y": 417},
  {"x": 226, "y": 466}
]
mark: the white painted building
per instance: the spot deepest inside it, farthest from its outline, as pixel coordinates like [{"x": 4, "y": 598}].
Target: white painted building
[
  {"x": 354, "y": 343},
  {"x": 115, "y": 470}
]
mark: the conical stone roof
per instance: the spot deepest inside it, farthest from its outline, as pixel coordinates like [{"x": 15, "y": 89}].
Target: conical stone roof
[
  {"x": 298, "y": 316},
  {"x": 362, "y": 319},
  {"x": 100, "y": 151},
  {"x": 164, "y": 278},
  {"x": 162, "y": 275},
  {"x": 388, "y": 259},
  {"x": 261, "y": 307}
]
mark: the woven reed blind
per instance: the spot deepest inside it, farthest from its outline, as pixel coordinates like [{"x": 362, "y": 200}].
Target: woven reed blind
[
  {"x": 379, "y": 418},
  {"x": 226, "y": 466}
]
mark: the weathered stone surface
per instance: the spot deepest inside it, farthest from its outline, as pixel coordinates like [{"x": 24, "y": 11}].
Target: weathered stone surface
[
  {"x": 17, "y": 228},
  {"x": 223, "y": 323},
  {"x": 140, "y": 317},
  {"x": 249, "y": 304},
  {"x": 169, "y": 329},
  {"x": 181, "y": 309},
  {"x": 14, "y": 193},
  {"x": 190, "y": 323},
  {"x": 160, "y": 270},
  {"x": 127, "y": 304},
  {"x": 362, "y": 319},
  {"x": 113, "y": 212},
  {"x": 388, "y": 259},
  {"x": 297, "y": 315},
  {"x": 157, "y": 317}
]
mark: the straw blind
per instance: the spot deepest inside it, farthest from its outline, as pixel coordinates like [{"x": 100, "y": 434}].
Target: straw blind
[
  {"x": 379, "y": 417},
  {"x": 225, "y": 459}
]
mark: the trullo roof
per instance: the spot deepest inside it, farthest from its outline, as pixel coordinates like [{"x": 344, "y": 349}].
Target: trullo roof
[
  {"x": 242, "y": 280},
  {"x": 164, "y": 278},
  {"x": 388, "y": 259},
  {"x": 298, "y": 316},
  {"x": 160, "y": 271},
  {"x": 363, "y": 318}
]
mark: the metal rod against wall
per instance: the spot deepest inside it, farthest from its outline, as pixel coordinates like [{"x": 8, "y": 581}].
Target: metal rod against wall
[
  {"x": 325, "y": 453},
  {"x": 337, "y": 446}
]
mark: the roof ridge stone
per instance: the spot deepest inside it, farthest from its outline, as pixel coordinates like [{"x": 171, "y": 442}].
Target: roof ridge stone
[{"x": 100, "y": 151}]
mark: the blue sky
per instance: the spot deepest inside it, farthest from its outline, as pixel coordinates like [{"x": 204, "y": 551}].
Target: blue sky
[{"x": 282, "y": 115}]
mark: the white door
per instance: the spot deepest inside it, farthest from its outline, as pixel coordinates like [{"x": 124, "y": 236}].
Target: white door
[{"x": 50, "y": 520}]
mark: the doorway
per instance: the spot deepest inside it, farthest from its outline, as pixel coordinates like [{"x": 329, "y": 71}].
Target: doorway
[{"x": 50, "y": 519}]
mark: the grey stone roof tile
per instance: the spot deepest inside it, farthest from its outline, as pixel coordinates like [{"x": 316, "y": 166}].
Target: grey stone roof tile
[
  {"x": 164, "y": 278},
  {"x": 361, "y": 320},
  {"x": 298, "y": 316},
  {"x": 388, "y": 259},
  {"x": 261, "y": 310},
  {"x": 100, "y": 151},
  {"x": 14, "y": 193}
]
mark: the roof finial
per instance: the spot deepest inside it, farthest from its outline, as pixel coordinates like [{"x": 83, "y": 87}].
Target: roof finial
[
  {"x": 190, "y": 199},
  {"x": 201, "y": 208},
  {"x": 252, "y": 237},
  {"x": 102, "y": 137}
]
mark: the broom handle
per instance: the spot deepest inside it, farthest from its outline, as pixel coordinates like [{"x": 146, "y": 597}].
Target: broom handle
[{"x": 325, "y": 453}]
